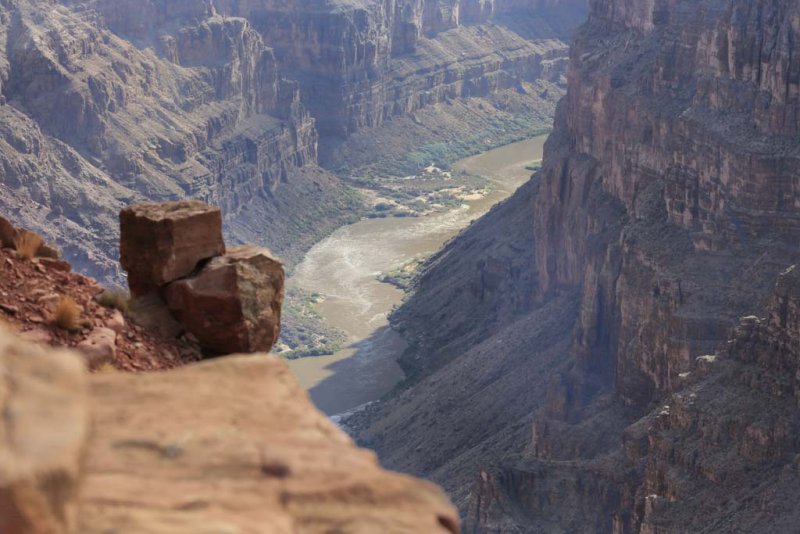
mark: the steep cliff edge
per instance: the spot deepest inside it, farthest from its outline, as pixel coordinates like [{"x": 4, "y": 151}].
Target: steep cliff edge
[
  {"x": 666, "y": 207},
  {"x": 228, "y": 445}
]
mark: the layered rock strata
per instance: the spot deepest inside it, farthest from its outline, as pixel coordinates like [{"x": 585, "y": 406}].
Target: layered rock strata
[
  {"x": 666, "y": 207},
  {"x": 114, "y": 102},
  {"x": 372, "y": 61},
  {"x": 94, "y": 121}
]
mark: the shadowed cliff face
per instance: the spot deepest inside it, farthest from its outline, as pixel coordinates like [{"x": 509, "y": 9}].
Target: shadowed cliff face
[{"x": 667, "y": 204}]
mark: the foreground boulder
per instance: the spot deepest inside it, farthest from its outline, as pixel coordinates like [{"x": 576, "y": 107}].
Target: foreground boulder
[
  {"x": 229, "y": 445},
  {"x": 43, "y": 435},
  {"x": 163, "y": 241},
  {"x": 234, "y": 303},
  {"x": 234, "y": 445}
]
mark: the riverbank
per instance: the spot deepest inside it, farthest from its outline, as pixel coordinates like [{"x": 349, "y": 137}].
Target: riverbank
[{"x": 344, "y": 269}]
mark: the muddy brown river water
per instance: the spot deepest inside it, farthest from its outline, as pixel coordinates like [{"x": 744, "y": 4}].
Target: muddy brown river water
[{"x": 344, "y": 268}]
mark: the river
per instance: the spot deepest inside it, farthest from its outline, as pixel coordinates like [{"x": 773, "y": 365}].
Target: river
[{"x": 344, "y": 268}]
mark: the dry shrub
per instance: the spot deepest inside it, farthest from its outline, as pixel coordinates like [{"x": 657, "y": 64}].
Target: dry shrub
[
  {"x": 49, "y": 251},
  {"x": 68, "y": 314},
  {"x": 107, "y": 367},
  {"x": 28, "y": 244},
  {"x": 114, "y": 298}
]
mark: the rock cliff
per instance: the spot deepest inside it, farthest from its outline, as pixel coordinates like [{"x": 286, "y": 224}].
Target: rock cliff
[
  {"x": 664, "y": 213},
  {"x": 109, "y": 102},
  {"x": 361, "y": 63},
  {"x": 94, "y": 120},
  {"x": 229, "y": 445}
]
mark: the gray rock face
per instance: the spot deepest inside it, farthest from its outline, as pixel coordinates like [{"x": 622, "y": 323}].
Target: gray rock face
[
  {"x": 105, "y": 121},
  {"x": 369, "y": 61}
]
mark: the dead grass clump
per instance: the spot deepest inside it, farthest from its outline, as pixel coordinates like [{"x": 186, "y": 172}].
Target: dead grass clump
[
  {"x": 28, "y": 245},
  {"x": 114, "y": 298},
  {"x": 107, "y": 367},
  {"x": 49, "y": 251},
  {"x": 68, "y": 314}
]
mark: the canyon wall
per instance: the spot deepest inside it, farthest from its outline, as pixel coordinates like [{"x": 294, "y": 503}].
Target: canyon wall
[
  {"x": 666, "y": 208},
  {"x": 359, "y": 64},
  {"x": 93, "y": 121},
  {"x": 107, "y": 102}
]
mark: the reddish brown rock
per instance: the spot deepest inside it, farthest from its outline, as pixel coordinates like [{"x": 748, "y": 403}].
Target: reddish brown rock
[
  {"x": 161, "y": 242},
  {"x": 55, "y": 264},
  {"x": 42, "y": 438},
  {"x": 8, "y": 234},
  {"x": 234, "y": 303}
]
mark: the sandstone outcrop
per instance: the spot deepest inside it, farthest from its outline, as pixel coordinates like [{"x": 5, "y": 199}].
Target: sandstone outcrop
[
  {"x": 228, "y": 445},
  {"x": 43, "y": 438},
  {"x": 160, "y": 243},
  {"x": 233, "y": 304},
  {"x": 175, "y": 257},
  {"x": 665, "y": 212}
]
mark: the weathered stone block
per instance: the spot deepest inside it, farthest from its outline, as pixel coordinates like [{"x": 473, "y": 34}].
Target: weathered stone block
[
  {"x": 234, "y": 303},
  {"x": 161, "y": 242}
]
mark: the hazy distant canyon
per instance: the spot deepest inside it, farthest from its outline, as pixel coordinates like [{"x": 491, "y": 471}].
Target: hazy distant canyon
[{"x": 108, "y": 102}]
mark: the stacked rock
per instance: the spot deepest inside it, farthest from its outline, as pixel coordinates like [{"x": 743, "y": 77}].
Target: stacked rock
[{"x": 229, "y": 299}]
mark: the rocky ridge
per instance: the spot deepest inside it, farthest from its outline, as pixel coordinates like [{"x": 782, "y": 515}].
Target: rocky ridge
[
  {"x": 666, "y": 208},
  {"x": 31, "y": 291},
  {"x": 231, "y": 444},
  {"x": 107, "y": 103}
]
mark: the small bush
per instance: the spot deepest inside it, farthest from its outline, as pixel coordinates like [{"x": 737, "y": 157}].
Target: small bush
[
  {"x": 114, "y": 298},
  {"x": 49, "y": 251},
  {"x": 28, "y": 245},
  {"x": 107, "y": 367},
  {"x": 68, "y": 314}
]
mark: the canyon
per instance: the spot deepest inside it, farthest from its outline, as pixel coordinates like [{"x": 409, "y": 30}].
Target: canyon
[
  {"x": 228, "y": 445},
  {"x": 614, "y": 348},
  {"x": 109, "y": 102}
]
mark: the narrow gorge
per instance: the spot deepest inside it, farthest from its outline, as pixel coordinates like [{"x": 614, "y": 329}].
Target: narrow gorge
[
  {"x": 596, "y": 333},
  {"x": 107, "y": 102},
  {"x": 614, "y": 349}
]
